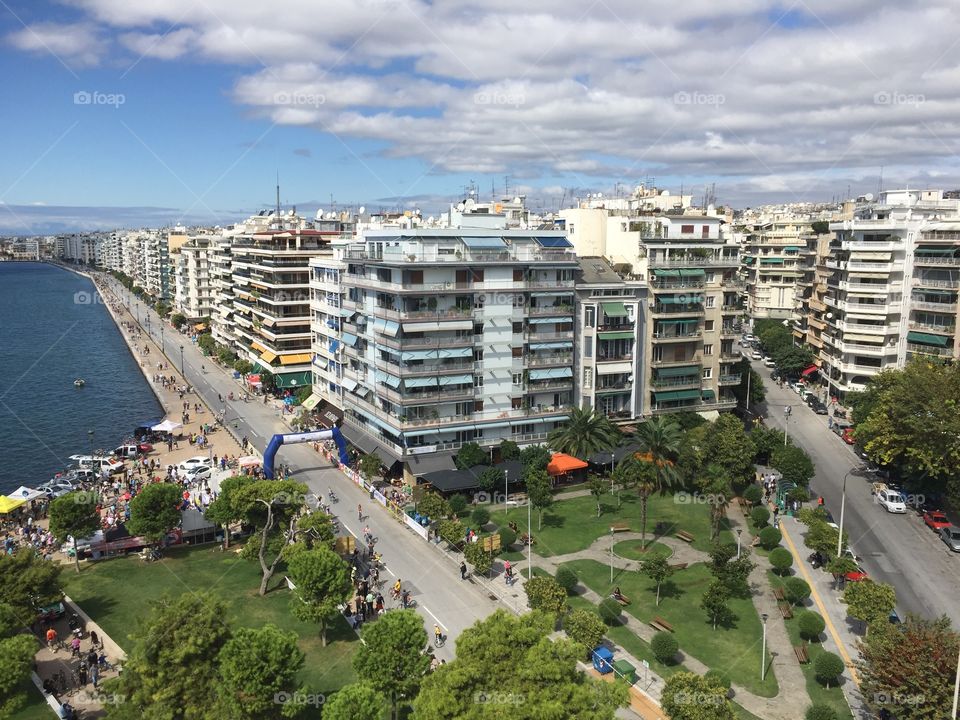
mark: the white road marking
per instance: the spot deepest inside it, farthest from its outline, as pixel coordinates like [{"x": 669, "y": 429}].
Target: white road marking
[
  {"x": 434, "y": 617},
  {"x": 349, "y": 530},
  {"x": 389, "y": 571}
]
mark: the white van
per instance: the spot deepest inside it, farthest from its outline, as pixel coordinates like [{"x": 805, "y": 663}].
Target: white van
[{"x": 98, "y": 464}]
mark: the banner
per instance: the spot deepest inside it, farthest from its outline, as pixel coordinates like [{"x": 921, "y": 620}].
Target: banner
[{"x": 420, "y": 530}]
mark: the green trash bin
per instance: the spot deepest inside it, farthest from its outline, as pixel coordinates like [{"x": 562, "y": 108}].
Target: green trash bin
[{"x": 625, "y": 671}]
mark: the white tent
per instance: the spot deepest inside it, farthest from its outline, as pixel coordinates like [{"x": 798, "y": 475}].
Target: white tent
[
  {"x": 167, "y": 426},
  {"x": 249, "y": 461},
  {"x": 25, "y": 493}
]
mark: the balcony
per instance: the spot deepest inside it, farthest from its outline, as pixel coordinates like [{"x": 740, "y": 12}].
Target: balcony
[
  {"x": 463, "y": 256},
  {"x": 692, "y": 381},
  {"x": 625, "y": 387},
  {"x": 551, "y": 386},
  {"x": 547, "y": 311},
  {"x": 426, "y": 342},
  {"x": 614, "y": 357},
  {"x": 730, "y": 379},
  {"x": 943, "y": 329},
  {"x": 941, "y": 261},
  {"x": 547, "y": 337},
  {"x": 935, "y": 283},
  {"x": 450, "y": 394},
  {"x": 730, "y": 356},
  {"x": 870, "y": 308},
  {"x": 927, "y": 350},
  {"x": 867, "y": 350},
  {"x": 946, "y": 308},
  {"x": 548, "y": 360},
  {"x": 860, "y": 246},
  {"x": 678, "y": 310},
  {"x": 677, "y": 336},
  {"x": 695, "y": 360},
  {"x": 717, "y": 261},
  {"x": 690, "y": 284},
  {"x": 880, "y": 267}
]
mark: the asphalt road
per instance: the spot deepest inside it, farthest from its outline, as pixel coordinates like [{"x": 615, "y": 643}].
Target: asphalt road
[{"x": 895, "y": 549}]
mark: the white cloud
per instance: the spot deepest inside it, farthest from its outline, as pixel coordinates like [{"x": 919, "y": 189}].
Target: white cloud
[{"x": 75, "y": 45}]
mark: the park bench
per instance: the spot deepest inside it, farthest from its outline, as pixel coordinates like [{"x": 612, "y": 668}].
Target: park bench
[
  {"x": 620, "y": 527},
  {"x": 622, "y": 599},
  {"x": 658, "y": 623},
  {"x": 785, "y": 610},
  {"x": 801, "y": 652},
  {"x": 685, "y": 536},
  {"x": 779, "y": 594},
  {"x": 679, "y": 566},
  {"x": 527, "y": 539},
  {"x": 744, "y": 503}
]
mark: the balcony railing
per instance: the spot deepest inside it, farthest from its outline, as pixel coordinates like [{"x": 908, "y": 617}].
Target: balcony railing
[
  {"x": 927, "y": 260},
  {"x": 539, "y": 337},
  {"x": 677, "y": 284},
  {"x": 541, "y": 361},
  {"x": 548, "y": 310},
  {"x": 687, "y": 382},
  {"x": 678, "y": 310},
  {"x": 930, "y": 282},
  {"x": 659, "y": 262},
  {"x": 695, "y": 360},
  {"x": 730, "y": 379},
  {"x": 949, "y": 308},
  {"x": 947, "y": 329},
  {"x": 926, "y": 350},
  {"x": 668, "y": 336},
  {"x": 614, "y": 357},
  {"x": 420, "y": 256},
  {"x": 535, "y": 387}
]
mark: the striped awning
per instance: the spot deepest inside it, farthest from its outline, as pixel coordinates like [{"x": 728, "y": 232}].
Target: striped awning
[
  {"x": 551, "y": 373},
  {"x": 420, "y": 382},
  {"x": 268, "y": 357}
]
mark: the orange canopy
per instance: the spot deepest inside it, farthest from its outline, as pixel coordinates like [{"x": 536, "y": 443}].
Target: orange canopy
[{"x": 561, "y": 464}]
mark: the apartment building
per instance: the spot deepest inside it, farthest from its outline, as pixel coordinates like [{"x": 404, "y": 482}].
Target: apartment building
[
  {"x": 446, "y": 336},
  {"x": 777, "y": 257},
  {"x": 892, "y": 289},
  {"x": 811, "y": 309},
  {"x": 220, "y": 267},
  {"x": 610, "y": 342},
  {"x": 193, "y": 291}
]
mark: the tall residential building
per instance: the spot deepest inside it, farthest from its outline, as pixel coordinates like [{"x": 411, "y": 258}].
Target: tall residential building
[
  {"x": 811, "y": 309},
  {"x": 193, "y": 295},
  {"x": 221, "y": 288},
  {"x": 892, "y": 291},
  {"x": 777, "y": 257},
  {"x": 447, "y": 336},
  {"x": 610, "y": 343}
]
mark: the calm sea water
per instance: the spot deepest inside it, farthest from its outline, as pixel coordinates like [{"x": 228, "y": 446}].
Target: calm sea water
[{"x": 50, "y": 335}]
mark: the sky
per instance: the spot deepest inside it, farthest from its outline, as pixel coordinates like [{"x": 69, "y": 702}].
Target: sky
[{"x": 121, "y": 113}]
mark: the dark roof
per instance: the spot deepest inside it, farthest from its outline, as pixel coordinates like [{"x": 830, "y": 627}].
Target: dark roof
[
  {"x": 430, "y": 463},
  {"x": 603, "y": 458},
  {"x": 453, "y": 480}
]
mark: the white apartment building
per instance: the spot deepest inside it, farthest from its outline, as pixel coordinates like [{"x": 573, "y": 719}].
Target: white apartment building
[
  {"x": 892, "y": 289},
  {"x": 193, "y": 296},
  {"x": 777, "y": 257}
]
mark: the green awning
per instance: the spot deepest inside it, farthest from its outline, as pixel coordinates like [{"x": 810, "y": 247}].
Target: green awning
[
  {"x": 666, "y": 273},
  {"x": 771, "y": 261},
  {"x": 934, "y": 251},
  {"x": 792, "y": 248},
  {"x": 708, "y": 395},
  {"x": 927, "y": 339},
  {"x": 687, "y": 321},
  {"x": 676, "y": 395},
  {"x": 748, "y": 260},
  {"x": 678, "y": 372},
  {"x": 694, "y": 272},
  {"x": 668, "y": 300},
  {"x": 293, "y": 380},
  {"x": 615, "y": 335},
  {"x": 614, "y": 309}
]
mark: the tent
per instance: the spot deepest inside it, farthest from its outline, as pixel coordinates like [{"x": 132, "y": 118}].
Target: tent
[
  {"x": 166, "y": 426},
  {"x": 8, "y": 504},
  {"x": 25, "y": 493},
  {"x": 254, "y": 380},
  {"x": 561, "y": 464},
  {"x": 248, "y": 461}
]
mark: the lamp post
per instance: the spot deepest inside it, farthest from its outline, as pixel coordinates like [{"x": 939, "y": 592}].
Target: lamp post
[
  {"x": 182, "y": 374},
  {"x": 162, "y": 348},
  {"x": 956, "y": 689},
  {"x": 611, "y": 556},
  {"x": 529, "y": 542},
  {"x": 739, "y": 532},
  {"x": 506, "y": 492},
  {"x": 90, "y": 440},
  {"x": 763, "y": 651},
  {"x": 786, "y": 417},
  {"x": 843, "y": 504}
]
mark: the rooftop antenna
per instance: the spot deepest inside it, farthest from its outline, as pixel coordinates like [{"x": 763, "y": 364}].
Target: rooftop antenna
[
  {"x": 280, "y": 226},
  {"x": 506, "y": 186}
]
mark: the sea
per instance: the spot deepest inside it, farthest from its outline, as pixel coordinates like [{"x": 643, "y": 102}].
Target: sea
[{"x": 53, "y": 330}]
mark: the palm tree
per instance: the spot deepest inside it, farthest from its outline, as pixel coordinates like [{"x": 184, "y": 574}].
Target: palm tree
[
  {"x": 585, "y": 433},
  {"x": 716, "y": 485},
  {"x": 656, "y": 464}
]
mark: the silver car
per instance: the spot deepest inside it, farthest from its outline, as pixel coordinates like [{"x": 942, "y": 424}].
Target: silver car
[{"x": 951, "y": 536}]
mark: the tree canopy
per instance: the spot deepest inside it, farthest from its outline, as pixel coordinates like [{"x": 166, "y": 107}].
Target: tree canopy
[
  {"x": 322, "y": 580},
  {"x": 256, "y": 667},
  {"x": 585, "y": 433},
  {"x": 155, "y": 511},
  {"x": 391, "y": 658},
  {"x": 74, "y": 515},
  {"x": 687, "y": 696}
]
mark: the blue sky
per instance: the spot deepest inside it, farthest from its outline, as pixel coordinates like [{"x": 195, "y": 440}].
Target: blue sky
[{"x": 195, "y": 106}]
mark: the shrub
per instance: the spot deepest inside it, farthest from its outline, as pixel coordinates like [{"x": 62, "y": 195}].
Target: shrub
[
  {"x": 481, "y": 560},
  {"x": 718, "y": 678},
  {"x": 507, "y": 537},
  {"x": 480, "y": 516},
  {"x": 458, "y": 503},
  {"x": 584, "y": 627},
  {"x": 819, "y": 711},
  {"x": 769, "y": 538},
  {"x": 664, "y": 647},
  {"x": 610, "y": 610},
  {"x": 509, "y": 450},
  {"x": 781, "y": 559},
  {"x": 809, "y": 515},
  {"x": 753, "y": 494},
  {"x": 798, "y": 494},
  {"x": 796, "y": 590},
  {"x": 469, "y": 455},
  {"x": 566, "y": 578},
  {"x": 811, "y": 625},
  {"x": 827, "y": 667},
  {"x": 760, "y": 516}
]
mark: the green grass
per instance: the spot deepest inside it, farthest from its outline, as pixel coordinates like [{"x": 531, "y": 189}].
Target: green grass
[
  {"x": 631, "y": 549},
  {"x": 116, "y": 594},
  {"x": 818, "y": 693},
  {"x": 36, "y": 707},
  {"x": 735, "y": 650},
  {"x": 572, "y": 525}
]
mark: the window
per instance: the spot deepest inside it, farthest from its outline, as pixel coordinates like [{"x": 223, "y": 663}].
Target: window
[
  {"x": 708, "y": 349},
  {"x": 517, "y": 328},
  {"x": 705, "y": 231},
  {"x": 518, "y": 352},
  {"x": 587, "y": 346},
  {"x": 686, "y": 229},
  {"x": 707, "y": 373},
  {"x": 478, "y": 329},
  {"x": 478, "y": 380},
  {"x": 477, "y": 405},
  {"x": 587, "y": 377},
  {"x": 710, "y": 277},
  {"x": 710, "y": 301},
  {"x": 571, "y": 228},
  {"x": 516, "y": 403},
  {"x": 589, "y": 316},
  {"x": 518, "y": 378},
  {"x": 708, "y": 325}
]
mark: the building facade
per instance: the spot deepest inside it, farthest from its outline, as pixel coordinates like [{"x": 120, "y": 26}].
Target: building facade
[
  {"x": 777, "y": 258},
  {"x": 193, "y": 291}
]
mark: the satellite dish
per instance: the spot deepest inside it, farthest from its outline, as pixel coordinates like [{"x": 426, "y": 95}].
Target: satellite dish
[
  {"x": 362, "y": 210},
  {"x": 829, "y": 316},
  {"x": 868, "y": 197},
  {"x": 665, "y": 193},
  {"x": 517, "y": 201},
  {"x": 319, "y": 214},
  {"x": 460, "y": 206}
]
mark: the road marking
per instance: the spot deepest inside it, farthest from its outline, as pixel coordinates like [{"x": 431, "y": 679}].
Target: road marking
[
  {"x": 349, "y": 530},
  {"x": 434, "y": 617},
  {"x": 389, "y": 571},
  {"x": 821, "y": 607}
]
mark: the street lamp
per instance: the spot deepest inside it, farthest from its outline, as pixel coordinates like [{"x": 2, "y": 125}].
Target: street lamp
[
  {"x": 956, "y": 689},
  {"x": 739, "y": 532},
  {"x": 529, "y": 542},
  {"x": 843, "y": 504},
  {"x": 162, "y": 348},
  {"x": 506, "y": 492},
  {"x": 786, "y": 417},
  {"x": 181, "y": 364},
  {"x": 763, "y": 651},
  {"x": 90, "y": 440},
  {"x": 611, "y": 555}
]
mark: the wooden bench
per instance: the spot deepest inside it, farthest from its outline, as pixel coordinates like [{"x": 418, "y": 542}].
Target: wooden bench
[
  {"x": 779, "y": 594},
  {"x": 622, "y": 599},
  {"x": 685, "y": 536},
  {"x": 620, "y": 527},
  {"x": 785, "y": 610},
  {"x": 678, "y": 566},
  {"x": 801, "y": 652},
  {"x": 659, "y": 623}
]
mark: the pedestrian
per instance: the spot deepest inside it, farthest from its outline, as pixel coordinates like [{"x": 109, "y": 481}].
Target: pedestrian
[
  {"x": 94, "y": 638},
  {"x": 463, "y": 570},
  {"x": 52, "y": 639},
  {"x": 359, "y": 511},
  {"x": 82, "y": 673}
]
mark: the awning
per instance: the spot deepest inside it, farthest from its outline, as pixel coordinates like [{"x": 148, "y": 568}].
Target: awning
[
  {"x": 166, "y": 426},
  {"x": 869, "y": 339},
  {"x": 561, "y": 464},
  {"x": 708, "y": 395},
  {"x": 25, "y": 493},
  {"x": 666, "y": 273},
  {"x": 686, "y": 321},
  {"x": 311, "y": 402},
  {"x": 668, "y": 299},
  {"x": 792, "y": 248},
  {"x": 346, "y": 313},
  {"x": 692, "y": 272},
  {"x": 938, "y": 293},
  {"x": 435, "y": 326},
  {"x": 934, "y": 251},
  {"x": 927, "y": 339},
  {"x": 334, "y": 345},
  {"x": 391, "y": 328},
  {"x": 551, "y": 293},
  {"x": 268, "y": 357},
  {"x": 258, "y": 347},
  {"x": 349, "y": 338},
  {"x": 748, "y": 260},
  {"x": 553, "y": 242},
  {"x": 807, "y": 372},
  {"x": 455, "y": 380},
  {"x": 619, "y": 335},
  {"x": 408, "y": 355},
  {"x": 387, "y": 378},
  {"x": 614, "y": 309},
  {"x": 294, "y": 380},
  {"x": 8, "y": 504},
  {"x": 484, "y": 243},
  {"x": 295, "y": 359},
  {"x": 349, "y": 384},
  {"x": 420, "y": 382},
  {"x": 771, "y": 261},
  {"x": 551, "y": 373},
  {"x": 672, "y": 395},
  {"x": 463, "y": 352},
  {"x": 200, "y": 327},
  {"x": 673, "y": 372},
  {"x": 552, "y": 345},
  {"x": 549, "y": 320}
]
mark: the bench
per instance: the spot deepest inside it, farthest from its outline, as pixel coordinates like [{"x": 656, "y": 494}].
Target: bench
[
  {"x": 785, "y": 610},
  {"x": 622, "y": 599},
  {"x": 619, "y": 527},
  {"x": 658, "y": 623},
  {"x": 801, "y": 652},
  {"x": 685, "y": 536},
  {"x": 779, "y": 594},
  {"x": 678, "y": 566}
]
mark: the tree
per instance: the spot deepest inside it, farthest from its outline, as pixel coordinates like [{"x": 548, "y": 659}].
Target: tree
[
  {"x": 28, "y": 582},
  {"x": 760, "y": 516},
  {"x": 322, "y": 581},
  {"x": 820, "y": 711},
  {"x": 840, "y": 566},
  {"x": 357, "y": 701},
  {"x": 244, "y": 367},
  {"x": 480, "y": 516},
  {"x": 870, "y": 602},
  {"x": 657, "y": 569},
  {"x": 511, "y": 661},
  {"x": 538, "y": 493},
  {"x": 509, "y": 450},
  {"x": 545, "y": 593},
  {"x": 752, "y": 494},
  {"x": 535, "y": 457},
  {"x": 793, "y": 360},
  {"x": 770, "y": 538},
  {"x": 660, "y": 439},
  {"x": 172, "y": 672},
  {"x": 714, "y": 603},
  {"x": 915, "y": 662},
  {"x": 490, "y": 479},
  {"x": 507, "y": 537},
  {"x": 794, "y": 464},
  {"x": 481, "y": 560},
  {"x": 796, "y": 590},
  {"x": 811, "y": 625},
  {"x": 457, "y": 503},
  {"x": 452, "y": 531},
  {"x": 598, "y": 486},
  {"x": 648, "y": 479},
  {"x": 718, "y": 678},
  {"x": 765, "y": 441},
  {"x": 585, "y": 433},
  {"x": 155, "y": 511},
  {"x": 664, "y": 647},
  {"x": 584, "y": 627},
  {"x": 469, "y": 455},
  {"x": 392, "y": 657},
  {"x": 369, "y": 466},
  {"x": 255, "y": 666},
  {"x": 820, "y": 227},
  {"x": 177, "y": 320},
  {"x": 17, "y": 652},
  {"x": 781, "y": 559},
  {"x": 822, "y": 537},
  {"x": 687, "y": 696},
  {"x": 730, "y": 447},
  {"x": 715, "y": 484},
  {"x": 566, "y": 578},
  {"x": 226, "y": 509},
  {"x": 75, "y": 515},
  {"x": 610, "y": 611},
  {"x": 434, "y": 506},
  {"x": 827, "y": 667},
  {"x": 749, "y": 377}
]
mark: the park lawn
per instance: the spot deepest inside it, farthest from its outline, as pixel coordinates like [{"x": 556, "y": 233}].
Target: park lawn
[
  {"x": 116, "y": 594},
  {"x": 630, "y": 549},
  {"x": 36, "y": 707},
  {"x": 572, "y": 524},
  {"x": 832, "y": 696},
  {"x": 734, "y": 650}
]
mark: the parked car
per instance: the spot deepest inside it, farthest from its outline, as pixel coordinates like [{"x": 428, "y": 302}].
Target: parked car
[
  {"x": 798, "y": 386},
  {"x": 768, "y": 362},
  {"x": 198, "y": 472},
  {"x": 817, "y": 406},
  {"x": 936, "y": 520},
  {"x": 951, "y": 537},
  {"x": 847, "y": 436},
  {"x": 98, "y": 464},
  {"x": 856, "y": 575},
  {"x": 78, "y": 475},
  {"x": 193, "y": 462},
  {"x": 56, "y": 488},
  {"x": 891, "y": 501},
  {"x": 756, "y": 355}
]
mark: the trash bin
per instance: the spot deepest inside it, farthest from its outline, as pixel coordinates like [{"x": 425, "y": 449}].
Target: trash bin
[
  {"x": 625, "y": 671},
  {"x": 603, "y": 660}
]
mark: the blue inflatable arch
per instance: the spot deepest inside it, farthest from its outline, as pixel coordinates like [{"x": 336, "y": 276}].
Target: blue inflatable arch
[{"x": 277, "y": 441}]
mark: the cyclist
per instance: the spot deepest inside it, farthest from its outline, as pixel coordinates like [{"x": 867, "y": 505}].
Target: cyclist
[
  {"x": 437, "y": 636},
  {"x": 405, "y": 602},
  {"x": 396, "y": 588}
]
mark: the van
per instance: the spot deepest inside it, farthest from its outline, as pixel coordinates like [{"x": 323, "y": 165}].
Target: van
[{"x": 99, "y": 464}]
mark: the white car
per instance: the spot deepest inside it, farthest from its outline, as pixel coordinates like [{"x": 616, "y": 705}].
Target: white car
[
  {"x": 799, "y": 388},
  {"x": 198, "y": 461},
  {"x": 768, "y": 362},
  {"x": 56, "y": 488},
  {"x": 757, "y": 355},
  {"x": 892, "y": 501},
  {"x": 198, "y": 472}
]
